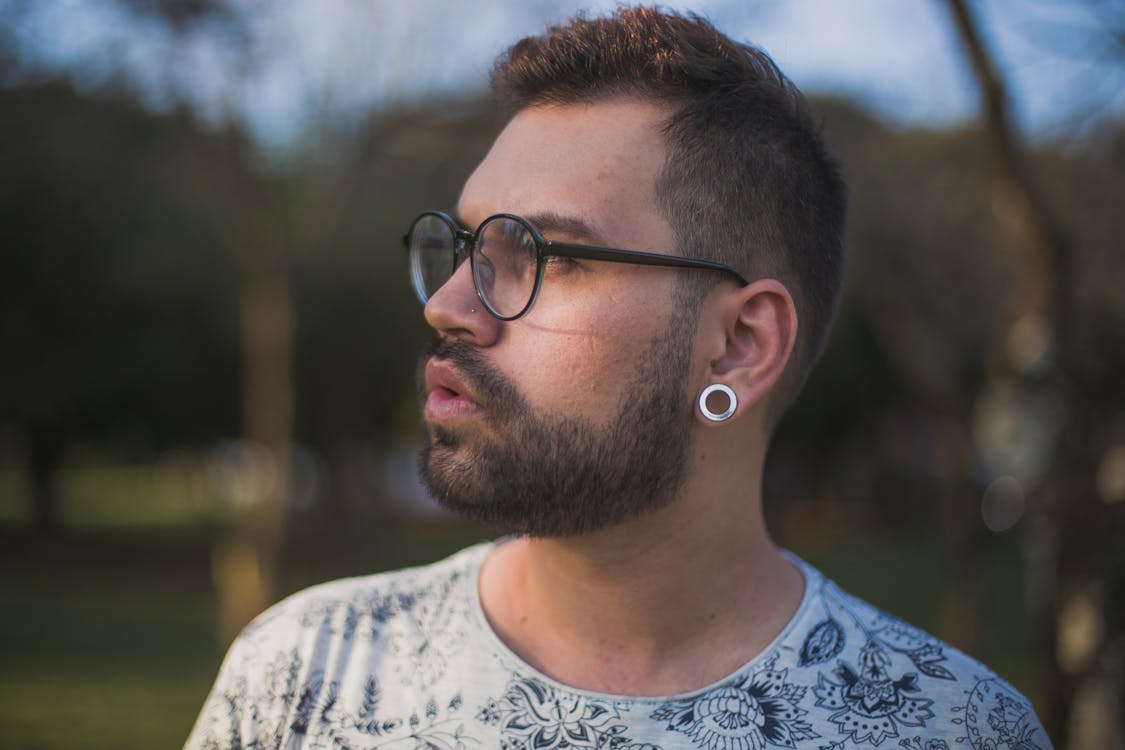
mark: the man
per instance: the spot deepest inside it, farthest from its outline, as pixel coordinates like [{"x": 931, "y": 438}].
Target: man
[{"x": 654, "y": 247}]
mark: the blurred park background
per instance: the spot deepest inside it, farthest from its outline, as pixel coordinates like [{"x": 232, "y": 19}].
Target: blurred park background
[{"x": 207, "y": 338}]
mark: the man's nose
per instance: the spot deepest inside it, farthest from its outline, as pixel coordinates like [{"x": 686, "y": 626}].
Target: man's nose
[{"x": 456, "y": 311}]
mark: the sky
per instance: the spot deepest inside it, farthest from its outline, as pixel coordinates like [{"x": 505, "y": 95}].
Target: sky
[{"x": 339, "y": 59}]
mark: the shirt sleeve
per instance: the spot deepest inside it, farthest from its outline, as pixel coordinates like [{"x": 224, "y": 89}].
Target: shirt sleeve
[
  {"x": 256, "y": 689},
  {"x": 231, "y": 716}
]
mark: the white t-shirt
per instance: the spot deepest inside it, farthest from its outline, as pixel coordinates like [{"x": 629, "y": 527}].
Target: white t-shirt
[{"x": 407, "y": 660}]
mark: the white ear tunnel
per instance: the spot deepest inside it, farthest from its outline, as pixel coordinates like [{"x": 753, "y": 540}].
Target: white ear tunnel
[{"x": 718, "y": 416}]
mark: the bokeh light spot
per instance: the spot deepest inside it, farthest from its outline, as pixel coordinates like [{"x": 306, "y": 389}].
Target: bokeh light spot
[{"x": 1003, "y": 504}]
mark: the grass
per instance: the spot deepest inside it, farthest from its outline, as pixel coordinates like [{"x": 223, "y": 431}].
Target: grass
[{"x": 107, "y": 639}]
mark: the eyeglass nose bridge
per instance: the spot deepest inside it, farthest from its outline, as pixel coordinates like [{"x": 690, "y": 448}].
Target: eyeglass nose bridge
[
  {"x": 463, "y": 244},
  {"x": 462, "y": 247}
]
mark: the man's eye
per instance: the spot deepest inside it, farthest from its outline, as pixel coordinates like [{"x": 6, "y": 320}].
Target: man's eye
[{"x": 560, "y": 263}]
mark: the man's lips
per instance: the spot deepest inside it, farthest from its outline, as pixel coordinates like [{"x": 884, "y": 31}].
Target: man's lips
[{"x": 447, "y": 398}]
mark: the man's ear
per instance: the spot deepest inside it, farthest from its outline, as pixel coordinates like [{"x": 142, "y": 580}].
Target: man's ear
[{"x": 759, "y": 331}]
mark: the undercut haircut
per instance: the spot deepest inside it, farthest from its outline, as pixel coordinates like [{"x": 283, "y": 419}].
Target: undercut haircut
[{"x": 748, "y": 180}]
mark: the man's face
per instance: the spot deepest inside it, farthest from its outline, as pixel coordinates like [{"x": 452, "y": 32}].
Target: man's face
[{"x": 577, "y": 415}]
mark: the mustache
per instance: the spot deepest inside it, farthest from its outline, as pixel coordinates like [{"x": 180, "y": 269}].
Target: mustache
[{"x": 490, "y": 388}]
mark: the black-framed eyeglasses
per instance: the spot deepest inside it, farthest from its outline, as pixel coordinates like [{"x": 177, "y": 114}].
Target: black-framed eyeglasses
[{"x": 507, "y": 256}]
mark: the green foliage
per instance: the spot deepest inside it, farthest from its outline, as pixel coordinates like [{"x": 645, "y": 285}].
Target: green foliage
[{"x": 117, "y": 297}]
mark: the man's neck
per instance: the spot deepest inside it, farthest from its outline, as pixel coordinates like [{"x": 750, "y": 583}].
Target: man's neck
[{"x": 659, "y": 605}]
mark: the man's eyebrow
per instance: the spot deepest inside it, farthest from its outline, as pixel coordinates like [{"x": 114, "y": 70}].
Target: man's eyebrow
[
  {"x": 573, "y": 227},
  {"x": 547, "y": 222}
]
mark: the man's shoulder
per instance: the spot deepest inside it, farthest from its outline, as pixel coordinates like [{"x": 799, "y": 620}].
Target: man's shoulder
[
  {"x": 872, "y": 629},
  {"x": 330, "y": 643},
  {"x": 878, "y": 676},
  {"x": 376, "y": 599}
]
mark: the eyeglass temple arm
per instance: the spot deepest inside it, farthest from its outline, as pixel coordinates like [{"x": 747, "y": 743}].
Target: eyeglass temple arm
[
  {"x": 460, "y": 234},
  {"x": 637, "y": 257}
]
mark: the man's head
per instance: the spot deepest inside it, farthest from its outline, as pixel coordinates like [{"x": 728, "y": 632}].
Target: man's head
[
  {"x": 643, "y": 132},
  {"x": 747, "y": 181},
  {"x": 577, "y": 415}
]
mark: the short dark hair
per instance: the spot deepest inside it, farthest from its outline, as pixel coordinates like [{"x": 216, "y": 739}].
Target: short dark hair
[{"x": 748, "y": 180}]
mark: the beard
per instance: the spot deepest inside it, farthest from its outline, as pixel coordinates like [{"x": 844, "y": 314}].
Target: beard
[{"x": 557, "y": 475}]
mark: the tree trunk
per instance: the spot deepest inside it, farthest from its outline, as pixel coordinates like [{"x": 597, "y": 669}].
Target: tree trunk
[{"x": 246, "y": 562}]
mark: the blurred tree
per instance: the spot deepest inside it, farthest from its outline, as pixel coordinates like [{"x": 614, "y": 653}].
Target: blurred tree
[
  {"x": 1083, "y": 579},
  {"x": 116, "y": 295}
]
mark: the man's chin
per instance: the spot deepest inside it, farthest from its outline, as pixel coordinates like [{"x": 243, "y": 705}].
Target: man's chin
[
  {"x": 437, "y": 434},
  {"x": 463, "y": 492}
]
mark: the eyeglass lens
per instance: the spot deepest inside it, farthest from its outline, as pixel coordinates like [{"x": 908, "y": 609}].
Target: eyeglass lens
[
  {"x": 504, "y": 261},
  {"x": 504, "y": 265},
  {"x": 432, "y": 255}
]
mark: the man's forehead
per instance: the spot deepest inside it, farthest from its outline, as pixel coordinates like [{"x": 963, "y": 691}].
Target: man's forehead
[{"x": 582, "y": 169}]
